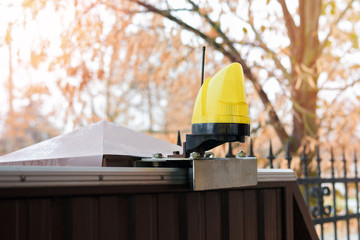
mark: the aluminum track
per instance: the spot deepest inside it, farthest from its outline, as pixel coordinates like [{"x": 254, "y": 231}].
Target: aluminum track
[{"x": 13, "y": 177}]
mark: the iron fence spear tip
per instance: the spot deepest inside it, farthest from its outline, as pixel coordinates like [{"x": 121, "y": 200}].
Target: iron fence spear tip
[
  {"x": 179, "y": 139},
  {"x": 288, "y": 156},
  {"x": 303, "y": 156},
  {"x": 318, "y": 159},
  {"x": 229, "y": 153},
  {"x": 251, "y": 150},
  {"x": 271, "y": 156},
  {"x": 304, "y": 159},
  {"x": 288, "y": 153},
  {"x": 332, "y": 155},
  {"x": 356, "y": 170},
  {"x": 355, "y": 158}
]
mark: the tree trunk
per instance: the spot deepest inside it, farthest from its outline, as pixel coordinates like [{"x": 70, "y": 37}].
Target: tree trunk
[
  {"x": 304, "y": 115},
  {"x": 305, "y": 47}
]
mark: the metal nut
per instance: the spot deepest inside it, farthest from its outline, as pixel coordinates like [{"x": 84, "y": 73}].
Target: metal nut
[
  {"x": 157, "y": 155},
  {"x": 240, "y": 154},
  {"x": 22, "y": 178},
  {"x": 194, "y": 155},
  {"x": 209, "y": 154}
]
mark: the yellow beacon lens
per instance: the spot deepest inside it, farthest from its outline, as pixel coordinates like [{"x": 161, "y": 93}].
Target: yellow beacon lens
[
  {"x": 221, "y": 113},
  {"x": 222, "y": 99}
]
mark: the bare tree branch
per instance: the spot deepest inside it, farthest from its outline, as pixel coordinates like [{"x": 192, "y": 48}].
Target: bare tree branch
[
  {"x": 353, "y": 83},
  {"x": 289, "y": 21},
  {"x": 167, "y": 14},
  {"x": 268, "y": 50},
  {"x": 333, "y": 25},
  {"x": 333, "y": 70},
  {"x": 216, "y": 27}
]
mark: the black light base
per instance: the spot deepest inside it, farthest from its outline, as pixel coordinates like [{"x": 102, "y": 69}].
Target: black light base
[{"x": 205, "y": 136}]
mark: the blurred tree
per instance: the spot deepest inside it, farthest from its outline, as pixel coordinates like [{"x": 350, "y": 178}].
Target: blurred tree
[
  {"x": 25, "y": 123},
  {"x": 10, "y": 85},
  {"x": 127, "y": 66},
  {"x": 119, "y": 60},
  {"x": 26, "y": 127},
  {"x": 300, "y": 62}
]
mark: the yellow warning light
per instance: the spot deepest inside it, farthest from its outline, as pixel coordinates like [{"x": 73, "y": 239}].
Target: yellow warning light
[
  {"x": 222, "y": 98},
  {"x": 221, "y": 113}
]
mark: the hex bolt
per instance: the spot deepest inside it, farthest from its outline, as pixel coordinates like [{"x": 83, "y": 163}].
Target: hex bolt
[
  {"x": 157, "y": 155},
  {"x": 194, "y": 155},
  {"x": 209, "y": 154},
  {"x": 240, "y": 154}
]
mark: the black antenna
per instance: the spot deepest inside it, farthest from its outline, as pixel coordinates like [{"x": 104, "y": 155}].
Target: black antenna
[{"x": 202, "y": 65}]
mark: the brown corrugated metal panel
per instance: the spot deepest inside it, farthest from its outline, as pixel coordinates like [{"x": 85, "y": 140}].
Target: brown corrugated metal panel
[
  {"x": 262, "y": 212},
  {"x": 9, "y": 219},
  {"x": 273, "y": 213},
  {"x": 213, "y": 214},
  {"x": 236, "y": 215},
  {"x": 251, "y": 208},
  {"x": 169, "y": 215}
]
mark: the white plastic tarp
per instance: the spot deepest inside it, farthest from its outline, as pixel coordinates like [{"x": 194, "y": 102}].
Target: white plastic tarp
[{"x": 86, "y": 147}]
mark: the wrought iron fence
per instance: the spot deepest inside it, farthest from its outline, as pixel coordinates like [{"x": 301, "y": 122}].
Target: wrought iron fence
[{"x": 317, "y": 186}]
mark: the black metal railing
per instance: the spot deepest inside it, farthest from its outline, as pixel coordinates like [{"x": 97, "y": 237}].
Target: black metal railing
[{"x": 318, "y": 184}]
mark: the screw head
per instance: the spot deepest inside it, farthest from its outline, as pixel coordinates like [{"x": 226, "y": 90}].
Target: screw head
[
  {"x": 157, "y": 155},
  {"x": 241, "y": 154},
  {"x": 194, "y": 155},
  {"x": 209, "y": 154}
]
